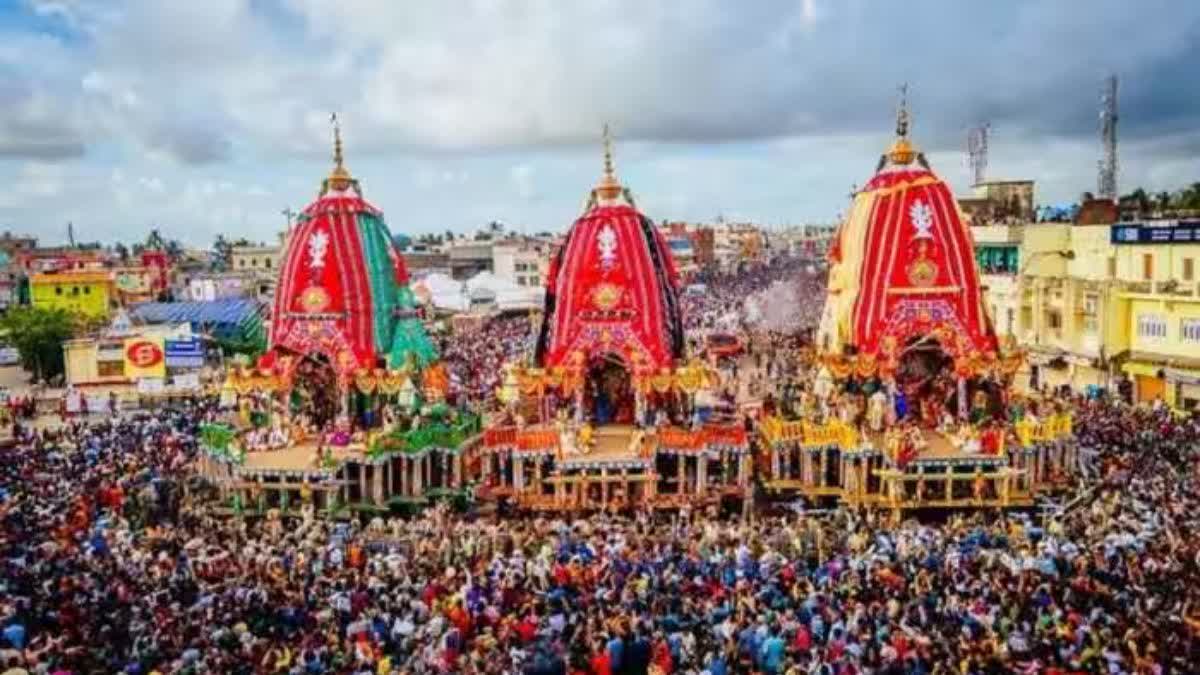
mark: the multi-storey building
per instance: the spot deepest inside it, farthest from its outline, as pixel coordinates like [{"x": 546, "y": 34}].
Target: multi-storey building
[
  {"x": 523, "y": 261},
  {"x": 1156, "y": 265},
  {"x": 1094, "y": 304}
]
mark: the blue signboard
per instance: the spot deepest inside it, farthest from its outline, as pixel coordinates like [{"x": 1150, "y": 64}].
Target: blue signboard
[
  {"x": 187, "y": 353},
  {"x": 1184, "y": 232}
]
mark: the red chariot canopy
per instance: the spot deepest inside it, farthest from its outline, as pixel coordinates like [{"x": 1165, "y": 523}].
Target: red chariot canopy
[
  {"x": 903, "y": 267},
  {"x": 612, "y": 288}
]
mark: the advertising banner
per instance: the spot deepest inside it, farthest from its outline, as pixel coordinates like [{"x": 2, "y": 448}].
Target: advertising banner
[{"x": 144, "y": 357}]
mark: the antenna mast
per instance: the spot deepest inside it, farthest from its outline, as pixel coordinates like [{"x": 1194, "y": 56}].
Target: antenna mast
[
  {"x": 977, "y": 152},
  {"x": 1106, "y": 181}
]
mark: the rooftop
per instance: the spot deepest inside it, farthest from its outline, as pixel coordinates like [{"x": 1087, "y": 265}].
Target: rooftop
[
  {"x": 73, "y": 277},
  {"x": 228, "y": 311}
]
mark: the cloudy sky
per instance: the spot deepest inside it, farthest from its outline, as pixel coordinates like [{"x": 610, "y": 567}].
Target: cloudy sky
[{"x": 213, "y": 116}]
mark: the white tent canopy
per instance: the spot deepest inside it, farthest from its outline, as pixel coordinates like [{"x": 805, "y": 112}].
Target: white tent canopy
[{"x": 484, "y": 288}]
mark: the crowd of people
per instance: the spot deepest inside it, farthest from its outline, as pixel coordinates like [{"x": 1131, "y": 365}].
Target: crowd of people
[
  {"x": 760, "y": 295},
  {"x": 112, "y": 561},
  {"x": 114, "y": 558},
  {"x": 475, "y": 356}
]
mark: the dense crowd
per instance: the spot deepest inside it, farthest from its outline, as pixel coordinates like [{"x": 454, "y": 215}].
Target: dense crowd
[
  {"x": 110, "y": 563},
  {"x": 475, "y": 356},
  {"x": 718, "y": 300},
  {"x": 114, "y": 559}
]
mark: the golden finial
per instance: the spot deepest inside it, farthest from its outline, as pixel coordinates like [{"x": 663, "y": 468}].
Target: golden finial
[
  {"x": 609, "y": 188},
  {"x": 902, "y": 150},
  {"x": 339, "y": 178}
]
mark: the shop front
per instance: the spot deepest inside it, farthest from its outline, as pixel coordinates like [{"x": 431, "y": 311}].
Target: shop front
[
  {"x": 1148, "y": 381},
  {"x": 1183, "y": 388}
]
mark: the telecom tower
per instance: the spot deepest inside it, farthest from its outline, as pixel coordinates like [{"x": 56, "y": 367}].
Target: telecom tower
[
  {"x": 977, "y": 149},
  {"x": 1106, "y": 181}
]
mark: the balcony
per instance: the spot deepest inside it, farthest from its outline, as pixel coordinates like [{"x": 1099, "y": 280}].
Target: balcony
[
  {"x": 1185, "y": 289},
  {"x": 1171, "y": 289}
]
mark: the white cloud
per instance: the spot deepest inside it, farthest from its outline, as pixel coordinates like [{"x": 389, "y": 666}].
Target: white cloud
[{"x": 457, "y": 113}]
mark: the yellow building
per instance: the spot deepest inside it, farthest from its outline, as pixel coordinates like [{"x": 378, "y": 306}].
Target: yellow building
[
  {"x": 89, "y": 292},
  {"x": 1157, "y": 263},
  {"x": 1094, "y": 303}
]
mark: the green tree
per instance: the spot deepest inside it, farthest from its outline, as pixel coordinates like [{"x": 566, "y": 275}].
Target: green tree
[
  {"x": 38, "y": 334},
  {"x": 222, "y": 254}
]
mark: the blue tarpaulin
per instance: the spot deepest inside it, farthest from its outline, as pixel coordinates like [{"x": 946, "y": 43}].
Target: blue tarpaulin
[{"x": 231, "y": 318}]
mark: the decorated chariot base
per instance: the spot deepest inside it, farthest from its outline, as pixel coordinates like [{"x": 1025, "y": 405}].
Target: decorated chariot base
[
  {"x": 411, "y": 460},
  {"x": 614, "y": 467},
  {"x": 908, "y": 467}
]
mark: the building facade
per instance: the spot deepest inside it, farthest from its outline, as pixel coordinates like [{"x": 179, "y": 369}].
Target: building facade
[
  {"x": 1097, "y": 304},
  {"x": 524, "y": 262},
  {"x": 255, "y": 258},
  {"x": 88, "y": 292},
  {"x": 469, "y": 257},
  {"x": 1156, "y": 262}
]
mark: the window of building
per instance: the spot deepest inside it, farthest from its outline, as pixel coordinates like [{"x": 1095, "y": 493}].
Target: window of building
[
  {"x": 110, "y": 368},
  {"x": 1148, "y": 266},
  {"x": 87, "y": 290},
  {"x": 242, "y": 262},
  {"x": 1091, "y": 302},
  {"x": 267, "y": 263},
  {"x": 58, "y": 290},
  {"x": 1151, "y": 326},
  {"x": 1189, "y": 330},
  {"x": 1054, "y": 319},
  {"x": 1112, "y": 267},
  {"x": 1189, "y": 269},
  {"x": 74, "y": 290}
]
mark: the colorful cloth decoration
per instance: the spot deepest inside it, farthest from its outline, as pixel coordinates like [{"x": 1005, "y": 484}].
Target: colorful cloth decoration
[
  {"x": 902, "y": 266},
  {"x": 612, "y": 289},
  {"x": 343, "y": 287}
]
